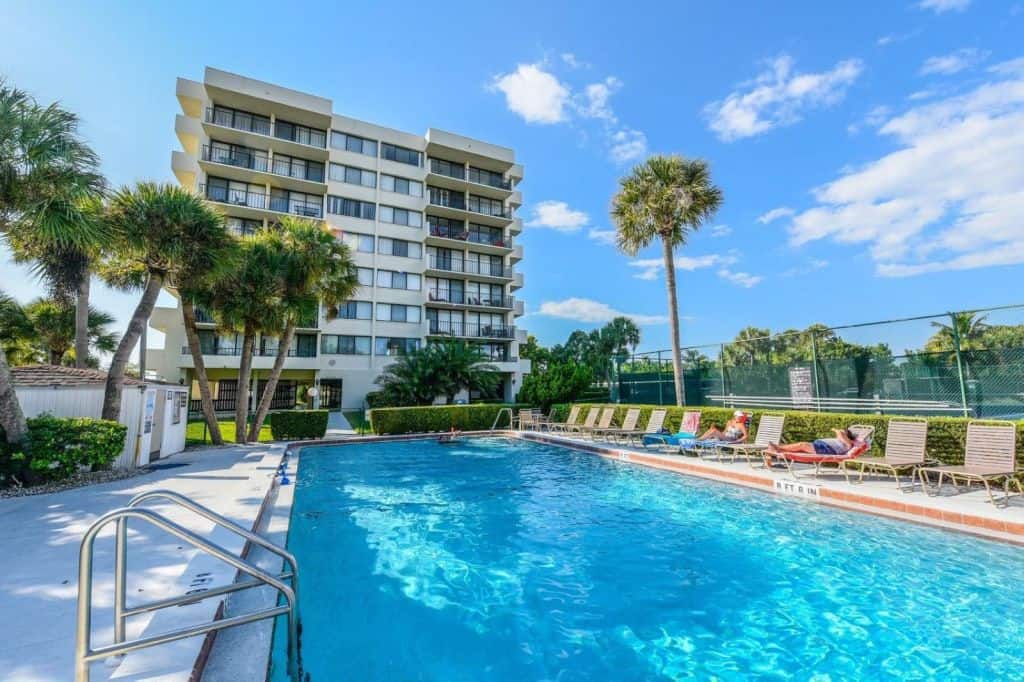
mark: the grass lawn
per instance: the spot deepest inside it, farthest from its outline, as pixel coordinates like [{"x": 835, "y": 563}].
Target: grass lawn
[
  {"x": 196, "y": 428},
  {"x": 358, "y": 420}
]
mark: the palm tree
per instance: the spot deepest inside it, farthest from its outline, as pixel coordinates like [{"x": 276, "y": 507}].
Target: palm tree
[
  {"x": 439, "y": 369},
  {"x": 666, "y": 198},
  {"x": 463, "y": 367},
  {"x": 248, "y": 302},
  {"x": 316, "y": 268},
  {"x": 967, "y": 328},
  {"x": 53, "y": 322},
  {"x": 163, "y": 230},
  {"x": 46, "y": 174}
]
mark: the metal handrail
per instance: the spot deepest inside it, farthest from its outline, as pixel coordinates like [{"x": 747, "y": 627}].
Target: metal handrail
[
  {"x": 85, "y": 653},
  {"x": 497, "y": 417}
]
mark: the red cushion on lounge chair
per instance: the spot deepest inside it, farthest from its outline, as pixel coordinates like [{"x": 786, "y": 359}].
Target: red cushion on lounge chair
[{"x": 811, "y": 458}]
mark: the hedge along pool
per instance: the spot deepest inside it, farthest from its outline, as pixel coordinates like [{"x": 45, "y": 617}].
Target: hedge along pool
[{"x": 503, "y": 559}]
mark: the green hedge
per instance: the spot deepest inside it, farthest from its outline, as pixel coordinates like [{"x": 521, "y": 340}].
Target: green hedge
[
  {"x": 57, "y": 446},
  {"x": 476, "y": 417},
  {"x": 298, "y": 424},
  {"x": 946, "y": 435}
]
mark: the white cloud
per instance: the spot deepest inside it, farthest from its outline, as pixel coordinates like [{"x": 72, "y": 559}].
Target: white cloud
[
  {"x": 719, "y": 231},
  {"x": 874, "y": 118},
  {"x": 778, "y": 97},
  {"x": 574, "y": 62},
  {"x": 628, "y": 145},
  {"x": 534, "y": 94},
  {"x": 651, "y": 268},
  {"x": 940, "y": 6},
  {"x": 775, "y": 214},
  {"x": 587, "y": 310},
  {"x": 954, "y": 62},
  {"x": 742, "y": 279},
  {"x": 557, "y": 215},
  {"x": 602, "y": 236},
  {"x": 949, "y": 197},
  {"x": 891, "y": 38},
  {"x": 594, "y": 102},
  {"x": 811, "y": 265}
]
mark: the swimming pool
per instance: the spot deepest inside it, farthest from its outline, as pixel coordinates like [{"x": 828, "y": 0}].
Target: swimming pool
[{"x": 502, "y": 559}]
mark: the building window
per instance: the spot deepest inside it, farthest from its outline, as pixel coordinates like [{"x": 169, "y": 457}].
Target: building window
[
  {"x": 486, "y": 177},
  {"x": 392, "y": 183},
  {"x": 239, "y": 120},
  {"x": 482, "y": 234},
  {"x": 356, "y": 310},
  {"x": 393, "y": 312},
  {"x": 363, "y": 243},
  {"x": 401, "y": 216},
  {"x": 300, "y": 133},
  {"x": 352, "y": 208},
  {"x": 447, "y": 227},
  {"x": 340, "y": 344},
  {"x": 449, "y": 168},
  {"x": 296, "y": 203},
  {"x": 393, "y": 345},
  {"x": 243, "y": 227},
  {"x": 353, "y": 143},
  {"x": 365, "y": 276},
  {"x": 486, "y": 206},
  {"x": 294, "y": 167},
  {"x": 353, "y": 175},
  {"x": 399, "y": 247},
  {"x": 392, "y": 152},
  {"x": 389, "y": 279}
]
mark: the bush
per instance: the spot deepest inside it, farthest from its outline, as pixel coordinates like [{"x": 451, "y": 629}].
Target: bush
[
  {"x": 946, "y": 435},
  {"x": 299, "y": 424},
  {"x": 559, "y": 383},
  {"x": 476, "y": 417},
  {"x": 58, "y": 446}
]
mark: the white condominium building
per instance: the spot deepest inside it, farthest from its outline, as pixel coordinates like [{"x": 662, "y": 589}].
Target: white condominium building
[{"x": 430, "y": 221}]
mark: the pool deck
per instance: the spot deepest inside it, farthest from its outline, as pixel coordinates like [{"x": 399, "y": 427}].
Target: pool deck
[
  {"x": 967, "y": 511},
  {"x": 39, "y": 582}
]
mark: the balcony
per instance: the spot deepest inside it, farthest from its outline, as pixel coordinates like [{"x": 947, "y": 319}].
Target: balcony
[
  {"x": 216, "y": 350},
  {"x": 241, "y": 127},
  {"x": 462, "y": 298},
  {"x": 478, "y": 176},
  {"x": 293, "y": 352},
  {"x": 448, "y": 169},
  {"x": 299, "y": 169},
  {"x": 469, "y": 267},
  {"x": 496, "y": 244},
  {"x": 448, "y": 200},
  {"x": 258, "y": 201},
  {"x": 238, "y": 120},
  {"x": 471, "y": 331},
  {"x": 482, "y": 206},
  {"x": 203, "y": 316},
  {"x": 238, "y": 158},
  {"x": 300, "y": 134}
]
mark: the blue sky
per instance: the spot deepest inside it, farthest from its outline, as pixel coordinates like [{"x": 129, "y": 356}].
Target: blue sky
[{"x": 871, "y": 154}]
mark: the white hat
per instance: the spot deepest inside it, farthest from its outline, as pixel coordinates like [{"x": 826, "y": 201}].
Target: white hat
[{"x": 739, "y": 413}]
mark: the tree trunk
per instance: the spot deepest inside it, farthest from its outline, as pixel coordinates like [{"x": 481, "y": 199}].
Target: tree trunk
[
  {"x": 673, "y": 312},
  {"x": 82, "y": 323},
  {"x": 12, "y": 419},
  {"x": 55, "y": 356},
  {"x": 275, "y": 374},
  {"x": 188, "y": 313},
  {"x": 244, "y": 376},
  {"x": 140, "y": 318}
]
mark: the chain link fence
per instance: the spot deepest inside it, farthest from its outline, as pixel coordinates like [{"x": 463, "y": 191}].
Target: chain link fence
[{"x": 966, "y": 363}]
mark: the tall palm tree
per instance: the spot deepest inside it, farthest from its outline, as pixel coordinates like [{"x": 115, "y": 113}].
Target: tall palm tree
[
  {"x": 316, "y": 268},
  {"x": 46, "y": 173},
  {"x": 53, "y": 323},
  {"x": 163, "y": 230},
  {"x": 666, "y": 198},
  {"x": 967, "y": 327},
  {"x": 249, "y": 302}
]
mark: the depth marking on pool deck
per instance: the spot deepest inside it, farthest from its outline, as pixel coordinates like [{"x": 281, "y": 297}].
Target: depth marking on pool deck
[{"x": 992, "y": 528}]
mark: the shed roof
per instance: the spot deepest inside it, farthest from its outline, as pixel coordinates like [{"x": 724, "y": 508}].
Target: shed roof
[{"x": 56, "y": 375}]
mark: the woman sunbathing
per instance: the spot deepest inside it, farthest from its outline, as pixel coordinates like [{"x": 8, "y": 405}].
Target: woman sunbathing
[
  {"x": 735, "y": 430},
  {"x": 844, "y": 441}
]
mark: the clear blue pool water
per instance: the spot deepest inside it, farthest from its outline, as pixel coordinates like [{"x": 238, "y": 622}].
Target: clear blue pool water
[{"x": 505, "y": 560}]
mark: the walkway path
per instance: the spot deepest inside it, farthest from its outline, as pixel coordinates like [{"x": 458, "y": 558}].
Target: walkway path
[{"x": 338, "y": 426}]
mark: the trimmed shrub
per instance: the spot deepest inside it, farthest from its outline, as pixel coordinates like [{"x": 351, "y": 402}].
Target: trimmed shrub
[
  {"x": 299, "y": 424},
  {"x": 58, "y": 446},
  {"x": 946, "y": 435},
  {"x": 432, "y": 419}
]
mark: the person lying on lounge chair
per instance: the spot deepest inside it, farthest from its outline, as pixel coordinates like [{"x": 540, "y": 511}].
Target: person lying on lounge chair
[
  {"x": 844, "y": 441},
  {"x": 735, "y": 430}
]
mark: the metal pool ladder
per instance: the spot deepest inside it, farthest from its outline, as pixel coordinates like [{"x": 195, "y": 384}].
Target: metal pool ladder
[
  {"x": 84, "y": 651},
  {"x": 497, "y": 417}
]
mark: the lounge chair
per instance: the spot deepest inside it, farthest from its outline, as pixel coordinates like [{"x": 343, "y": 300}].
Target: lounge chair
[
  {"x": 863, "y": 432},
  {"x": 529, "y": 419},
  {"x": 689, "y": 424},
  {"x": 904, "y": 453},
  {"x": 989, "y": 456},
  {"x": 703, "y": 448},
  {"x": 588, "y": 422},
  {"x": 574, "y": 415},
  {"x": 654, "y": 424},
  {"x": 628, "y": 425},
  {"x": 604, "y": 423},
  {"x": 769, "y": 430}
]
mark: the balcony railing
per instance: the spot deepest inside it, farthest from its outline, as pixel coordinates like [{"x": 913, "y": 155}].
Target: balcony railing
[
  {"x": 235, "y": 157},
  {"x": 287, "y": 167},
  {"x": 489, "y": 179},
  {"x": 448, "y": 200},
  {"x": 235, "y": 197},
  {"x": 266, "y": 351},
  {"x": 271, "y": 351},
  {"x": 218, "y": 350},
  {"x": 471, "y": 267},
  {"x": 475, "y": 331},
  {"x": 239, "y": 120},
  {"x": 473, "y": 237},
  {"x": 306, "y": 209},
  {"x": 300, "y": 134},
  {"x": 462, "y": 298},
  {"x": 475, "y": 205}
]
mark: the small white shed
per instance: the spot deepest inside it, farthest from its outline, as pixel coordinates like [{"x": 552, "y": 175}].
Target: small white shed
[{"x": 156, "y": 413}]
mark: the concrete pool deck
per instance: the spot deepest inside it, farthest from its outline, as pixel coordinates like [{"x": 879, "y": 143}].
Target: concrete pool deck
[{"x": 40, "y": 535}]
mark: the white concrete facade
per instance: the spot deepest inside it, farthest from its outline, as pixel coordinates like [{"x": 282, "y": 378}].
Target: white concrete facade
[{"x": 429, "y": 218}]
